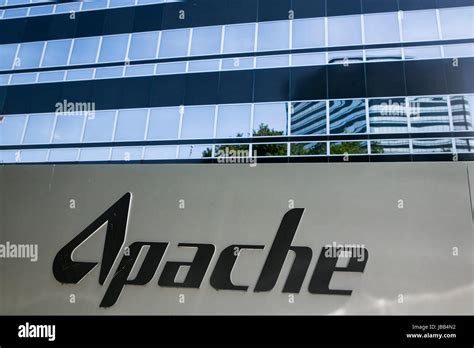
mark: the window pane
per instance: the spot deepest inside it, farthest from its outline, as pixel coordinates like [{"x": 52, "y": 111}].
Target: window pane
[
  {"x": 164, "y": 123},
  {"x": 308, "y": 59},
  {"x": 465, "y": 145},
  {"x": 308, "y": 118},
  {"x": 29, "y": 55},
  {"x": 308, "y": 149},
  {"x": 39, "y": 128},
  {"x": 11, "y": 129},
  {"x": 308, "y": 33},
  {"x": 345, "y": 57},
  {"x": 206, "y": 41},
  {"x": 273, "y": 36},
  {"x": 347, "y": 116},
  {"x": 170, "y": 68},
  {"x": 82, "y": 74},
  {"x": 7, "y": 55},
  {"x": 420, "y": 25},
  {"x": 344, "y": 30},
  {"x": 204, "y": 65},
  {"x": 195, "y": 151},
  {"x": 273, "y": 61},
  {"x": 383, "y": 54},
  {"x": 456, "y": 51},
  {"x": 40, "y": 10},
  {"x": 131, "y": 125},
  {"x": 264, "y": 150},
  {"x": 51, "y": 76},
  {"x": 85, "y": 50},
  {"x": 140, "y": 70},
  {"x": 33, "y": 156},
  {"x": 457, "y": 22},
  {"x": 390, "y": 147},
  {"x": 56, "y": 53},
  {"x": 113, "y": 48},
  {"x": 94, "y": 154},
  {"x": 429, "y": 114},
  {"x": 18, "y": 79},
  {"x": 99, "y": 126},
  {"x": 233, "y": 121},
  {"x": 349, "y": 147},
  {"x": 160, "y": 152},
  {"x": 143, "y": 45},
  {"x": 105, "y": 73},
  {"x": 68, "y": 129},
  {"x": 174, "y": 43},
  {"x": 239, "y": 38},
  {"x": 422, "y": 52},
  {"x": 462, "y": 108},
  {"x": 127, "y": 153},
  {"x": 381, "y": 28},
  {"x": 270, "y": 119},
  {"x": 237, "y": 63},
  {"x": 198, "y": 122},
  {"x": 62, "y": 155},
  {"x": 432, "y": 145},
  {"x": 388, "y": 116}
]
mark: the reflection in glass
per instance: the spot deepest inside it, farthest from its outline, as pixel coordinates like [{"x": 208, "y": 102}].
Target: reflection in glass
[
  {"x": 170, "y": 68},
  {"x": 237, "y": 63},
  {"x": 127, "y": 153},
  {"x": 429, "y": 114},
  {"x": 33, "y": 156},
  {"x": 56, "y": 53},
  {"x": 195, "y": 151},
  {"x": 206, "y": 41},
  {"x": 99, "y": 126},
  {"x": 347, "y": 116},
  {"x": 198, "y": 122},
  {"x": 232, "y": 151},
  {"x": 308, "y": 33},
  {"x": 345, "y": 57},
  {"x": 113, "y": 48},
  {"x": 68, "y": 129},
  {"x": 204, "y": 65},
  {"x": 82, "y": 74},
  {"x": 308, "y": 149},
  {"x": 274, "y": 150},
  {"x": 109, "y": 72},
  {"x": 18, "y": 79},
  {"x": 84, "y": 51},
  {"x": 143, "y": 45},
  {"x": 62, "y": 155},
  {"x": 462, "y": 109},
  {"x": 308, "y": 59},
  {"x": 381, "y": 28},
  {"x": 349, "y": 148},
  {"x": 420, "y": 25},
  {"x": 140, "y": 70},
  {"x": 51, "y": 76},
  {"x": 29, "y": 55},
  {"x": 38, "y": 129},
  {"x": 456, "y": 51},
  {"x": 94, "y": 154},
  {"x": 432, "y": 145},
  {"x": 270, "y": 119},
  {"x": 7, "y": 55},
  {"x": 160, "y": 152},
  {"x": 11, "y": 129},
  {"x": 273, "y": 61},
  {"x": 233, "y": 121},
  {"x": 308, "y": 118},
  {"x": 390, "y": 147},
  {"x": 131, "y": 124},
  {"x": 273, "y": 36},
  {"x": 239, "y": 38},
  {"x": 344, "y": 31},
  {"x": 388, "y": 115},
  {"x": 174, "y": 43},
  {"x": 383, "y": 54},
  {"x": 457, "y": 23},
  {"x": 465, "y": 145},
  {"x": 422, "y": 52},
  {"x": 164, "y": 123}
]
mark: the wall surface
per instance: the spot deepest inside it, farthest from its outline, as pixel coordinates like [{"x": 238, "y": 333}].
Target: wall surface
[{"x": 411, "y": 218}]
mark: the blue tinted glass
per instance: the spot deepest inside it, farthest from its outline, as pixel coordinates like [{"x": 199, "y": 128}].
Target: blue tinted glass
[
  {"x": 381, "y": 28},
  {"x": 94, "y": 154},
  {"x": 419, "y": 25},
  {"x": 68, "y": 129},
  {"x": 103, "y": 73},
  {"x": 143, "y": 45},
  {"x": 432, "y": 145},
  {"x": 29, "y": 55},
  {"x": 237, "y": 63},
  {"x": 308, "y": 118},
  {"x": 347, "y": 116},
  {"x": 85, "y": 50},
  {"x": 170, "y": 68},
  {"x": 127, "y": 153},
  {"x": 39, "y": 128},
  {"x": 174, "y": 43},
  {"x": 140, "y": 70},
  {"x": 273, "y": 36},
  {"x": 344, "y": 30},
  {"x": 206, "y": 41},
  {"x": 56, "y": 53},
  {"x": 18, "y": 79},
  {"x": 270, "y": 119},
  {"x": 309, "y": 33},
  {"x": 113, "y": 48},
  {"x": 121, "y": 3},
  {"x": 83, "y": 74},
  {"x": 198, "y": 122},
  {"x": 51, "y": 76},
  {"x": 239, "y": 38},
  {"x": 233, "y": 121},
  {"x": 457, "y": 22},
  {"x": 41, "y": 10},
  {"x": 194, "y": 151},
  {"x": 15, "y": 12},
  {"x": 429, "y": 114},
  {"x": 204, "y": 65},
  {"x": 32, "y": 156},
  {"x": 11, "y": 129},
  {"x": 62, "y": 155},
  {"x": 160, "y": 152},
  {"x": 92, "y": 5},
  {"x": 4, "y": 80},
  {"x": 131, "y": 125},
  {"x": 7, "y": 55},
  {"x": 164, "y": 123},
  {"x": 99, "y": 126},
  {"x": 66, "y": 8}
]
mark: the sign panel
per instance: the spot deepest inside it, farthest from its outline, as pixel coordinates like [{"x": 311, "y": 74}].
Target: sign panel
[{"x": 391, "y": 238}]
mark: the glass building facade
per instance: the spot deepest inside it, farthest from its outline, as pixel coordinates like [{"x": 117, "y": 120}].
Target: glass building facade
[{"x": 285, "y": 80}]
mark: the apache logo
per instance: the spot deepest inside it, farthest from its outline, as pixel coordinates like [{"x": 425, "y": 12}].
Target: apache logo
[{"x": 66, "y": 270}]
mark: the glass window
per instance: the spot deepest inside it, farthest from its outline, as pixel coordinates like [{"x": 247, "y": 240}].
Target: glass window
[
  {"x": 40, "y": 10},
  {"x": 195, "y": 151},
  {"x": 29, "y": 55},
  {"x": 67, "y": 8},
  {"x": 420, "y": 25},
  {"x": 309, "y": 33},
  {"x": 270, "y": 119},
  {"x": 308, "y": 149},
  {"x": 347, "y": 116},
  {"x": 237, "y": 63},
  {"x": 432, "y": 145},
  {"x": 422, "y": 52},
  {"x": 206, "y": 41},
  {"x": 233, "y": 121},
  {"x": 457, "y": 22},
  {"x": 349, "y": 148},
  {"x": 7, "y": 55},
  {"x": 465, "y": 145},
  {"x": 82, "y": 74},
  {"x": 160, "y": 152},
  {"x": 204, "y": 65},
  {"x": 198, "y": 122},
  {"x": 462, "y": 108},
  {"x": 39, "y": 128},
  {"x": 93, "y": 5},
  {"x": 113, "y": 48},
  {"x": 429, "y": 114},
  {"x": 51, "y": 76},
  {"x": 4, "y": 80},
  {"x": 56, "y": 53},
  {"x": 344, "y": 30},
  {"x": 273, "y": 36},
  {"x": 383, "y": 54},
  {"x": 174, "y": 43},
  {"x": 308, "y": 118},
  {"x": 84, "y": 51},
  {"x": 231, "y": 151},
  {"x": 388, "y": 115},
  {"x": 109, "y": 72},
  {"x": 121, "y": 3},
  {"x": 94, "y": 154},
  {"x": 170, "y": 68},
  {"x": 15, "y": 13},
  {"x": 143, "y": 46},
  {"x": 131, "y": 125},
  {"x": 381, "y": 28},
  {"x": 68, "y": 129},
  {"x": 308, "y": 59},
  {"x": 274, "y": 150},
  {"x": 63, "y": 155},
  {"x": 33, "y": 156},
  {"x": 164, "y": 123},
  {"x": 390, "y": 147},
  {"x": 11, "y": 129},
  {"x": 127, "y": 153},
  {"x": 273, "y": 61},
  {"x": 345, "y": 57},
  {"x": 140, "y": 70},
  {"x": 18, "y": 79},
  {"x": 99, "y": 126},
  {"x": 239, "y": 38},
  {"x": 454, "y": 51}
]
